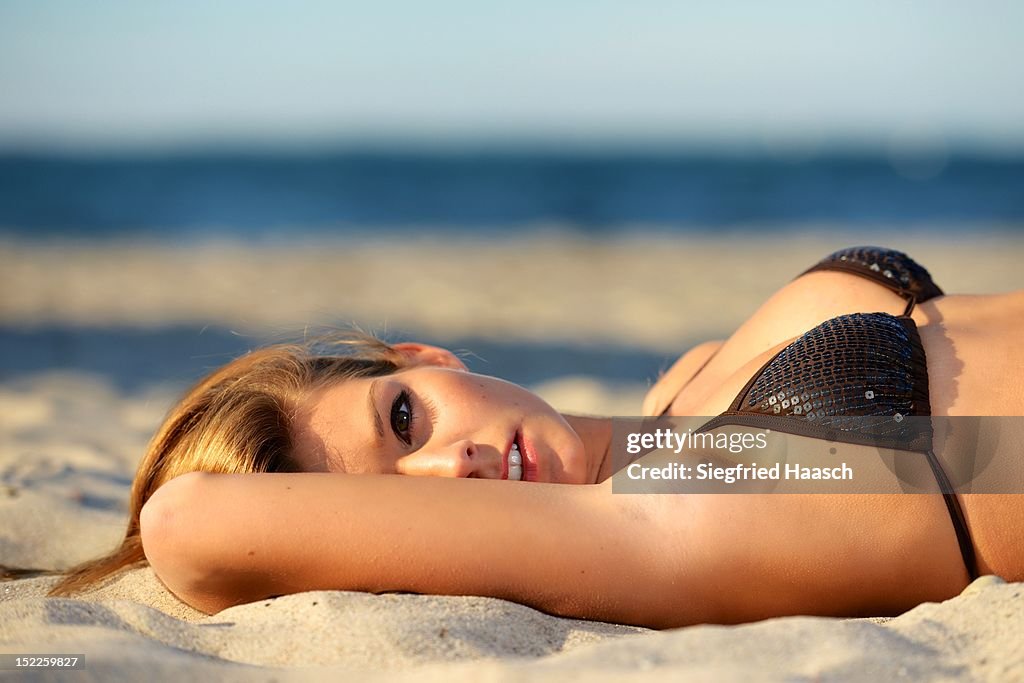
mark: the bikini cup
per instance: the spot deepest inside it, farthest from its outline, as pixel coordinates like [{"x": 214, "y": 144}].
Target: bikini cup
[
  {"x": 854, "y": 378},
  {"x": 889, "y": 268}
]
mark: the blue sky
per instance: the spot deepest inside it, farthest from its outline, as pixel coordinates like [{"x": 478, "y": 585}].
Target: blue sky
[{"x": 113, "y": 74}]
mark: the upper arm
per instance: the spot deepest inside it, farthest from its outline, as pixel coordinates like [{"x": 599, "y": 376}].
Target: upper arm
[
  {"x": 578, "y": 551},
  {"x": 220, "y": 540},
  {"x": 750, "y": 556},
  {"x": 825, "y": 554}
]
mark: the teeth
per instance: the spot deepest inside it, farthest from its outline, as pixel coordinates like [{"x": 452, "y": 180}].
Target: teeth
[{"x": 515, "y": 463}]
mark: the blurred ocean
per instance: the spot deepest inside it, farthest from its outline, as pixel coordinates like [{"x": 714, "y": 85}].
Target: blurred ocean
[
  {"x": 276, "y": 196},
  {"x": 272, "y": 198}
]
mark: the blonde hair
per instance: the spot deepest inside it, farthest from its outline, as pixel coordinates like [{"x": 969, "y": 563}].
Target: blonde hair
[{"x": 237, "y": 420}]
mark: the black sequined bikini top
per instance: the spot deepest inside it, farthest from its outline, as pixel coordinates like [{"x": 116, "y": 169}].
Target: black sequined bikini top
[
  {"x": 856, "y": 378},
  {"x": 824, "y": 384}
]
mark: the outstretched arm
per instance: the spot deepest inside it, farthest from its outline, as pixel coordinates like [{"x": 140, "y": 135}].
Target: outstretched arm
[{"x": 220, "y": 540}]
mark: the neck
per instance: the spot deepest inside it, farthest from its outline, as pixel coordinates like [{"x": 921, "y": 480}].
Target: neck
[{"x": 596, "y": 434}]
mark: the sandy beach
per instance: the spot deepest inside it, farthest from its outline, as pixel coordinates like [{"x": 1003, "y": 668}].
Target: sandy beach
[
  {"x": 657, "y": 291},
  {"x": 70, "y": 439}
]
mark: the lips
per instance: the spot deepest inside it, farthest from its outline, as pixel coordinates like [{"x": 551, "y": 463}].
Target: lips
[{"x": 529, "y": 459}]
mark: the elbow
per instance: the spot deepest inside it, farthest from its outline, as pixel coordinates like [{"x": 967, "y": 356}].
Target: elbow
[
  {"x": 162, "y": 520},
  {"x": 176, "y": 545}
]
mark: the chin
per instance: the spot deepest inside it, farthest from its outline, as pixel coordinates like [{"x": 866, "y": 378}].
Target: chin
[{"x": 574, "y": 469}]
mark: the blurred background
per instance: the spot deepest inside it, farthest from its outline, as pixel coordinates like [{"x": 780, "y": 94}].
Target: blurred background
[{"x": 575, "y": 192}]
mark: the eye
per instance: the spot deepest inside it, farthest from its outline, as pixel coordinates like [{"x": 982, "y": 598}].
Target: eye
[{"x": 402, "y": 417}]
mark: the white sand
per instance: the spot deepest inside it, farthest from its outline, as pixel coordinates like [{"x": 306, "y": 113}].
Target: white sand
[
  {"x": 654, "y": 292},
  {"x": 69, "y": 443},
  {"x": 125, "y": 630}
]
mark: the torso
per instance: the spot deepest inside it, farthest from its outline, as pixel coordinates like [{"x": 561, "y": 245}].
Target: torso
[{"x": 973, "y": 369}]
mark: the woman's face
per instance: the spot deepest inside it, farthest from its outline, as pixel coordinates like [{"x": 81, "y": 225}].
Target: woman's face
[{"x": 437, "y": 420}]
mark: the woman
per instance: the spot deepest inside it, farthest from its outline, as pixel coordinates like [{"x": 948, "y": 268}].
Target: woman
[{"x": 217, "y": 536}]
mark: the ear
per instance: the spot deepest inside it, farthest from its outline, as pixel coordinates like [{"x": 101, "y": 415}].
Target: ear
[{"x": 425, "y": 354}]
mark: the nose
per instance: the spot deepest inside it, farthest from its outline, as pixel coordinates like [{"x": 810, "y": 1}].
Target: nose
[{"x": 455, "y": 460}]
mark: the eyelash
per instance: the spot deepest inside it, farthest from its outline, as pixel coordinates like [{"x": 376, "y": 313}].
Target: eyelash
[{"x": 405, "y": 398}]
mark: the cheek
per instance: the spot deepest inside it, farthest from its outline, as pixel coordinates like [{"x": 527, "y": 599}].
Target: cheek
[
  {"x": 479, "y": 393},
  {"x": 476, "y": 396},
  {"x": 460, "y": 399}
]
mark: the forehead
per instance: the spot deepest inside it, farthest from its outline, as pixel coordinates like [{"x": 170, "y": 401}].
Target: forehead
[{"x": 333, "y": 423}]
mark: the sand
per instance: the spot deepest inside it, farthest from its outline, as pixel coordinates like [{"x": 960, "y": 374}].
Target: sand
[
  {"x": 127, "y": 628},
  {"x": 69, "y": 442},
  {"x": 654, "y": 292}
]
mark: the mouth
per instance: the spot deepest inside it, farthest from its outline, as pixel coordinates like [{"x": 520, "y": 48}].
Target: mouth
[{"x": 520, "y": 461}]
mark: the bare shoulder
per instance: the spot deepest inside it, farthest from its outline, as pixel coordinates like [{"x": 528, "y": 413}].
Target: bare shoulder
[
  {"x": 744, "y": 556},
  {"x": 676, "y": 378}
]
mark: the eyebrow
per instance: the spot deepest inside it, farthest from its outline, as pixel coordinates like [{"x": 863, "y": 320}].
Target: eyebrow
[{"x": 372, "y": 401}]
